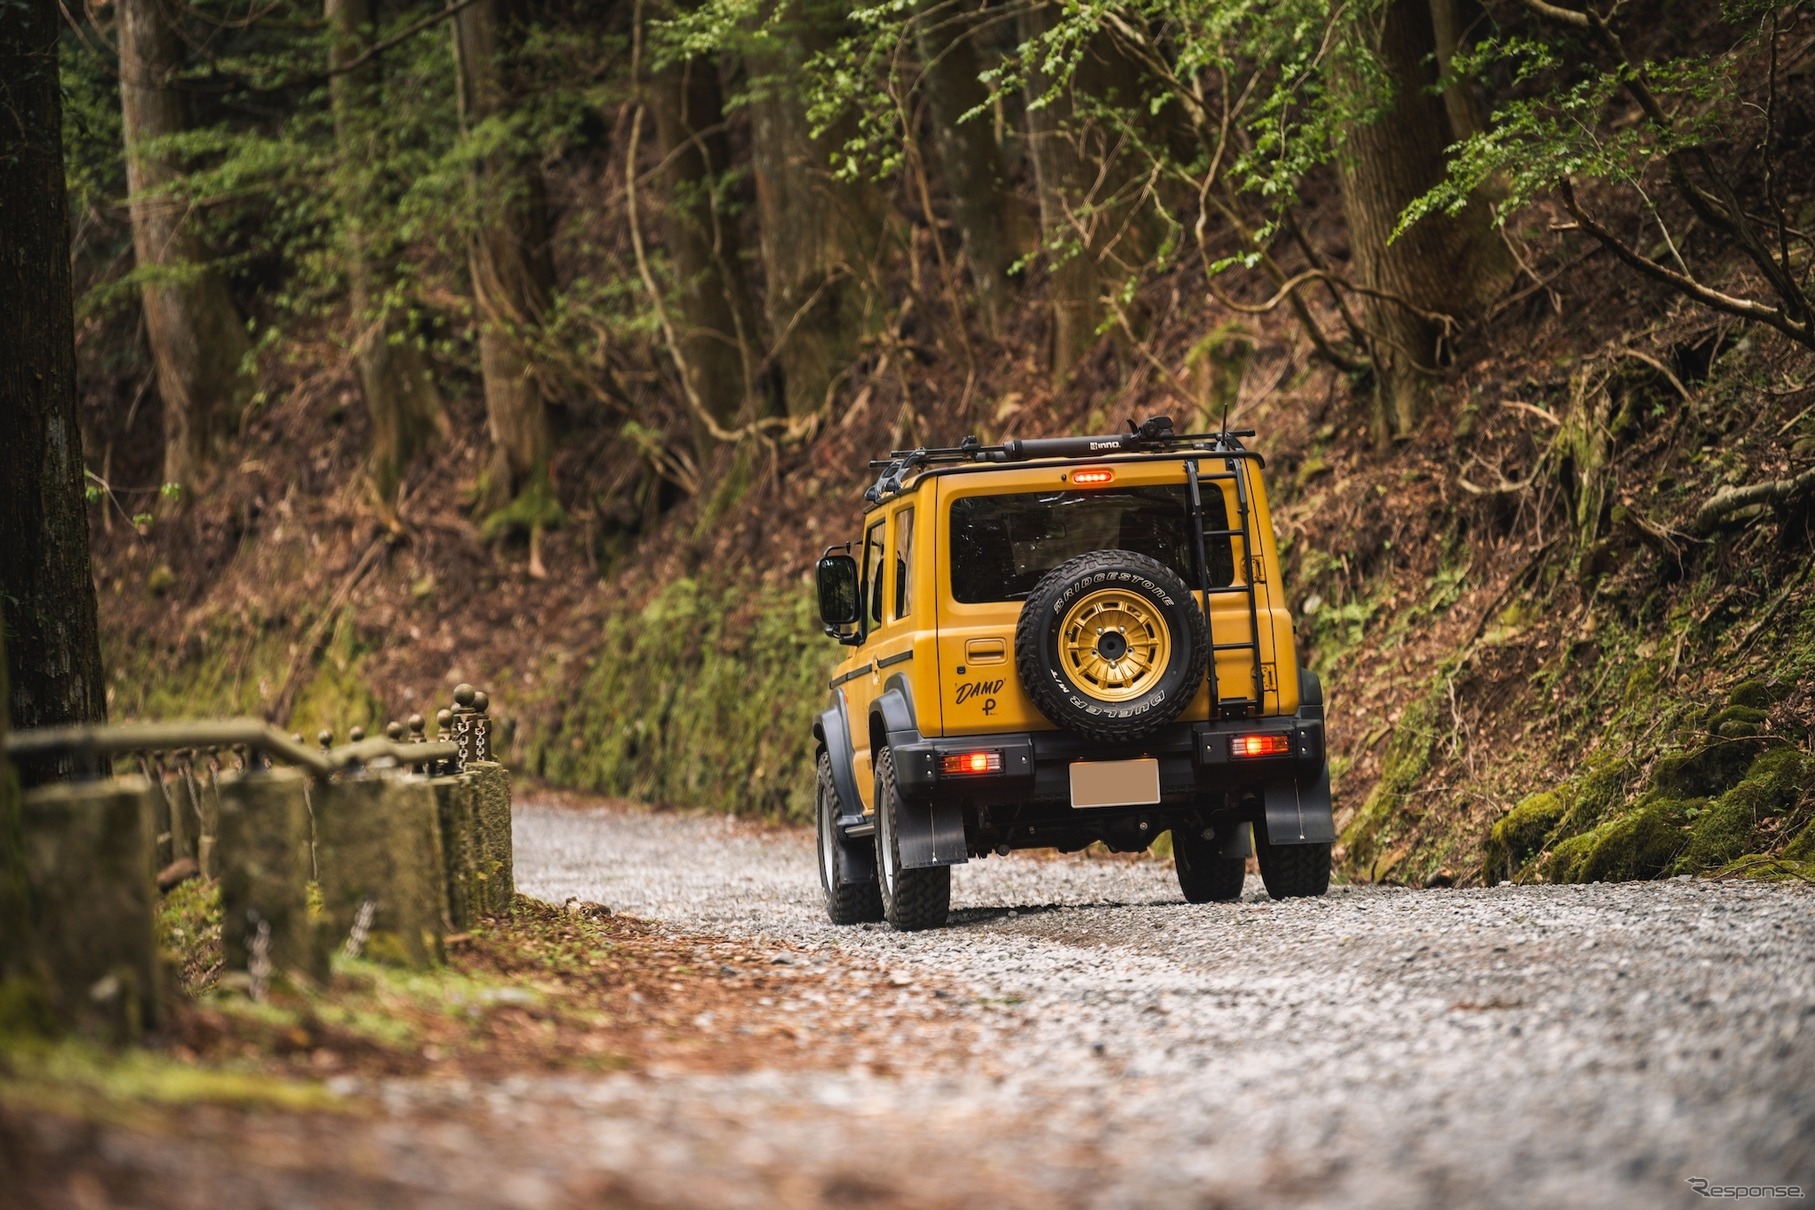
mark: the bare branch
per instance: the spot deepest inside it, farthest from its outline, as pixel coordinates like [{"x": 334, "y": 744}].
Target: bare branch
[{"x": 1724, "y": 503}]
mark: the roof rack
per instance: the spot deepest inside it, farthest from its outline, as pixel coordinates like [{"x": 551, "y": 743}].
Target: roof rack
[{"x": 1154, "y": 435}]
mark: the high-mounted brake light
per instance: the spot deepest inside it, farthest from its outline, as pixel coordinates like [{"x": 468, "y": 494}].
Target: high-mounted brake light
[
  {"x": 1094, "y": 477},
  {"x": 1274, "y": 743},
  {"x": 970, "y": 764}
]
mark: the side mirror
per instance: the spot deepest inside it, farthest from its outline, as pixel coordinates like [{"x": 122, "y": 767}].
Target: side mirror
[{"x": 839, "y": 603}]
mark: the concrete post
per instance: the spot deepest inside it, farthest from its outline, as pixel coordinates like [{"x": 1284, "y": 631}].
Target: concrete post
[
  {"x": 491, "y": 791},
  {"x": 265, "y": 869},
  {"x": 456, "y": 803},
  {"x": 88, "y": 851},
  {"x": 378, "y": 841}
]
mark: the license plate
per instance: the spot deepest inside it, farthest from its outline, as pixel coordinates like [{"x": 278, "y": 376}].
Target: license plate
[{"x": 1115, "y": 783}]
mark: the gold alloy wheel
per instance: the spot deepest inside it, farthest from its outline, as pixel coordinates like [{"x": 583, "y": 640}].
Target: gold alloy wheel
[{"x": 1114, "y": 645}]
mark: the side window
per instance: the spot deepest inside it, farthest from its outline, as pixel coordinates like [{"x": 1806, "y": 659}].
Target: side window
[
  {"x": 904, "y": 560},
  {"x": 872, "y": 575}
]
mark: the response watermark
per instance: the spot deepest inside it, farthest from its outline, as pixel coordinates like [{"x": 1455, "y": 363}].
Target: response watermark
[{"x": 1708, "y": 1188}]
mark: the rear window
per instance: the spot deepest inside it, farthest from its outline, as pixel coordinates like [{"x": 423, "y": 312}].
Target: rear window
[{"x": 1003, "y": 545}]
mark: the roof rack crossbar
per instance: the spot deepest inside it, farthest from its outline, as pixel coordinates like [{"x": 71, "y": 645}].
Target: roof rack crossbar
[{"x": 1155, "y": 435}]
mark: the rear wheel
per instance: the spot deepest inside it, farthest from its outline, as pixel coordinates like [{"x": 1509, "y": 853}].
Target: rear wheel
[
  {"x": 852, "y": 896},
  {"x": 911, "y": 899},
  {"x": 1203, "y": 873},
  {"x": 1292, "y": 871}
]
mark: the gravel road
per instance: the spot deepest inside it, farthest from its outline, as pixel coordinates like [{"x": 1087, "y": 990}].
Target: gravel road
[{"x": 1519, "y": 1046}]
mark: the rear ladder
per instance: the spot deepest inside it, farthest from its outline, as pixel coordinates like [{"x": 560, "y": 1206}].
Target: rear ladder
[{"x": 1220, "y": 706}]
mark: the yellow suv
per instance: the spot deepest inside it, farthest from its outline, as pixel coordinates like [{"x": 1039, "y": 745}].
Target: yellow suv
[{"x": 1061, "y": 641}]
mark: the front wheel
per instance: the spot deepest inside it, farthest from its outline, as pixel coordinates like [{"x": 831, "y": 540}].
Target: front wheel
[
  {"x": 1203, "y": 873},
  {"x": 1292, "y": 871},
  {"x": 911, "y": 899},
  {"x": 851, "y": 893}
]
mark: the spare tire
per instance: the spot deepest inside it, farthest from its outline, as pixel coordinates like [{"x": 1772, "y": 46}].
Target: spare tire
[{"x": 1111, "y": 645}]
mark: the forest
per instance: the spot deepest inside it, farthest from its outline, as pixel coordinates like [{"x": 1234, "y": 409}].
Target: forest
[{"x": 358, "y": 348}]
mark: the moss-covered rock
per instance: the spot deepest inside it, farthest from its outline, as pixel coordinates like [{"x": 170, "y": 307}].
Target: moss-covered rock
[
  {"x": 1707, "y": 769},
  {"x": 1754, "y": 694},
  {"x": 1729, "y": 827},
  {"x": 1520, "y": 833},
  {"x": 1643, "y": 843},
  {"x": 1738, "y": 722}
]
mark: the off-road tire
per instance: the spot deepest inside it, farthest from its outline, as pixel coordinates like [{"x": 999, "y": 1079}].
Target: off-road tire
[
  {"x": 1292, "y": 871},
  {"x": 1203, "y": 874},
  {"x": 1038, "y": 638},
  {"x": 848, "y": 900},
  {"x": 911, "y": 899}
]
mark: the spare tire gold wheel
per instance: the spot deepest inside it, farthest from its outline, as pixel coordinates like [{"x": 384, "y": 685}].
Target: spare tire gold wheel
[{"x": 1112, "y": 645}]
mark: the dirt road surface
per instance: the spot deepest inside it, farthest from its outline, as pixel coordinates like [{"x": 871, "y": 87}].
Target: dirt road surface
[{"x": 1080, "y": 1037}]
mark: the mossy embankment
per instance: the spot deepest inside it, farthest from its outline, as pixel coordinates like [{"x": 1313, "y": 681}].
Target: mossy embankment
[{"x": 704, "y": 695}]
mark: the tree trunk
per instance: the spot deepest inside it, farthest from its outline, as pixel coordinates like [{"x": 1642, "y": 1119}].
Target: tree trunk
[
  {"x": 1441, "y": 265},
  {"x": 989, "y": 215},
  {"x": 720, "y": 343},
  {"x": 1083, "y": 179},
  {"x": 508, "y": 256},
  {"x": 47, "y": 597},
  {"x": 1459, "y": 104},
  {"x": 820, "y": 235},
  {"x": 197, "y": 339},
  {"x": 400, "y": 395}
]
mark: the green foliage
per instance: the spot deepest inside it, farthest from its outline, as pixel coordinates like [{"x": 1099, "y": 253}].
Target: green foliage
[{"x": 1556, "y": 125}]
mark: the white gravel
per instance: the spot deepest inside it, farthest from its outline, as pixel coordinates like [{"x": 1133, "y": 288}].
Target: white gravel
[{"x": 1520, "y": 1046}]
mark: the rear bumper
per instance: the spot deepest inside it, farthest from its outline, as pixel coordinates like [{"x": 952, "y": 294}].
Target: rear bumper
[{"x": 1197, "y": 762}]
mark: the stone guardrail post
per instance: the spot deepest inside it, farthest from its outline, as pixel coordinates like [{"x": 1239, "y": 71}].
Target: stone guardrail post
[
  {"x": 457, "y": 809},
  {"x": 382, "y": 874},
  {"x": 266, "y": 865},
  {"x": 491, "y": 807},
  {"x": 88, "y": 853}
]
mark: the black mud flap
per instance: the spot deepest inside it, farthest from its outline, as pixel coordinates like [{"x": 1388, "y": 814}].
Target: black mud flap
[
  {"x": 1300, "y": 814},
  {"x": 930, "y": 834}
]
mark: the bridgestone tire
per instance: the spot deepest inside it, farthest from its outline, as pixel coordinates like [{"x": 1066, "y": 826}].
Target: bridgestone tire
[
  {"x": 911, "y": 899},
  {"x": 1039, "y": 637},
  {"x": 1292, "y": 871},
  {"x": 849, "y": 900},
  {"x": 1203, "y": 875}
]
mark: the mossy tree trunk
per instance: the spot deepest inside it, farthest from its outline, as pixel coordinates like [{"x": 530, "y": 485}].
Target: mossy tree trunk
[
  {"x": 820, "y": 234},
  {"x": 1087, "y": 181},
  {"x": 507, "y": 253},
  {"x": 401, "y": 398},
  {"x": 719, "y": 340},
  {"x": 1443, "y": 265},
  {"x": 197, "y": 339},
  {"x": 47, "y": 597},
  {"x": 990, "y": 221}
]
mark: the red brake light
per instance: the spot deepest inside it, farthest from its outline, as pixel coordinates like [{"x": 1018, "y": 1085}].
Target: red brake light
[
  {"x": 1274, "y": 743},
  {"x": 969, "y": 764},
  {"x": 1094, "y": 477}
]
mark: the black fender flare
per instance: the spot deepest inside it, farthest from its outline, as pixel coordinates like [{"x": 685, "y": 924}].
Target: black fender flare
[
  {"x": 930, "y": 830},
  {"x": 833, "y": 732}
]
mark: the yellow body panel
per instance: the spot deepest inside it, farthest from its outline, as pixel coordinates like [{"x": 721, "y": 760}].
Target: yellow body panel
[{"x": 958, "y": 659}]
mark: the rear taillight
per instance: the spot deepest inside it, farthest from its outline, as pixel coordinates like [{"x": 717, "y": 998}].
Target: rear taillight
[
  {"x": 1271, "y": 743},
  {"x": 1095, "y": 476},
  {"x": 972, "y": 764}
]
